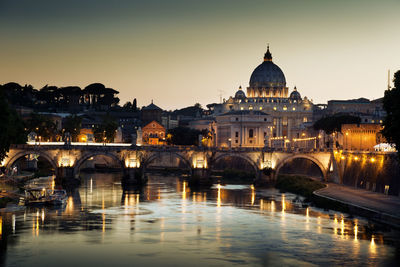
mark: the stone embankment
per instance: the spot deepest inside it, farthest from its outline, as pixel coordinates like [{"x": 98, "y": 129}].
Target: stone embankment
[{"x": 374, "y": 206}]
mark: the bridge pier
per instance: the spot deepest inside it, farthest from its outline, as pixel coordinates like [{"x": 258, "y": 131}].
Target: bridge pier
[
  {"x": 65, "y": 173},
  {"x": 134, "y": 176},
  {"x": 265, "y": 177},
  {"x": 200, "y": 176}
]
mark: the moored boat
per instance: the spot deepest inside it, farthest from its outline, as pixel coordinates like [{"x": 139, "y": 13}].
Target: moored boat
[{"x": 43, "y": 196}]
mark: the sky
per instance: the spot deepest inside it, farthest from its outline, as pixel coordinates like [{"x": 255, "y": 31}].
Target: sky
[{"x": 182, "y": 52}]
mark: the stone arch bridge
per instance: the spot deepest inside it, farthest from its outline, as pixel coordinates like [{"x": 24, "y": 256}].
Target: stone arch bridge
[{"x": 67, "y": 160}]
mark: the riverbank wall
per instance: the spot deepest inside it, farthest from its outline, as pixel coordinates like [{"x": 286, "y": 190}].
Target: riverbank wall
[
  {"x": 374, "y": 171},
  {"x": 328, "y": 202}
]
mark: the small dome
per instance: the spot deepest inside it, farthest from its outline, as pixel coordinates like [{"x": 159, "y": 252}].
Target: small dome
[
  {"x": 267, "y": 74},
  {"x": 295, "y": 94},
  {"x": 240, "y": 94}
]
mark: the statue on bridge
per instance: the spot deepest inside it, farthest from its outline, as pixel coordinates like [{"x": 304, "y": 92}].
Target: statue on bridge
[{"x": 67, "y": 139}]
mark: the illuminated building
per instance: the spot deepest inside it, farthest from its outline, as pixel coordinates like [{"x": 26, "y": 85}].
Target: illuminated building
[
  {"x": 243, "y": 128},
  {"x": 267, "y": 93},
  {"x": 86, "y": 135},
  {"x": 361, "y": 136},
  {"x": 153, "y": 133}
]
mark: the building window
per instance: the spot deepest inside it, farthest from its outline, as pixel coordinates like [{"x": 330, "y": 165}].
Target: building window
[
  {"x": 251, "y": 133},
  {"x": 265, "y": 119},
  {"x": 236, "y": 141},
  {"x": 274, "y": 108},
  {"x": 284, "y": 108},
  {"x": 236, "y": 119},
  {"x": 294, "y": 108},
  {"x": 236, "y": 134},
  {"x": 305, "y": 119}
]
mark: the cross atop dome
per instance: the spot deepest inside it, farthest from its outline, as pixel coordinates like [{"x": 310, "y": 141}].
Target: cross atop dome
[{"x": 268, "y": 55}]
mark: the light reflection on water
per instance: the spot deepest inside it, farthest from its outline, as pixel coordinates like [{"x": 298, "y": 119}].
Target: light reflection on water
[{"x": 167, "y": 223}]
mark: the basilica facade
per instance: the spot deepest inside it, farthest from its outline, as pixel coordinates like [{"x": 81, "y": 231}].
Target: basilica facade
[{"x": 285, "y": 116}]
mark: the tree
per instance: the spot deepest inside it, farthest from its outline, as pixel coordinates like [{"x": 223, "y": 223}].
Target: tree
[
  {"x": 72, "y": 124},
  {"x": 42, "y": 125},
  {"x": 106, "y": 131},
  {"x": 134, "y": 105},
  {"x": 127, "y": 106},
  {"x": 391, "y": 104},
  {"x": 11, "y": 127},
  {"x": 183, "y": 136},
  {"x": 334, "y": 123}
]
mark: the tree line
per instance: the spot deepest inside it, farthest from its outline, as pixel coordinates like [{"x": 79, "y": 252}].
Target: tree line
[{"x": 95, "y": 96}]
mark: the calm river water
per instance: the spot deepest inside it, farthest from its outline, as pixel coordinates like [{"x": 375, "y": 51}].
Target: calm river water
[{"x": 167, "y": 224}]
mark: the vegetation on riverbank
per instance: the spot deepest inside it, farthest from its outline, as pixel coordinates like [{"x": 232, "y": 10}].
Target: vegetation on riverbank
[{"x": 300, "y": 185}]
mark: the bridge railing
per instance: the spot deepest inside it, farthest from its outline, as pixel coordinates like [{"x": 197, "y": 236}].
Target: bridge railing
[{"x": 171, "y": 148}]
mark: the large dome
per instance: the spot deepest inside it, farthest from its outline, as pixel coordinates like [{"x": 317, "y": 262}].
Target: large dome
[{"x": 267, "y": 74}]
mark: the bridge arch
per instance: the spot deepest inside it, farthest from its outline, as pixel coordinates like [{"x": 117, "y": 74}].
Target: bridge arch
[
  {"x": 312, "y": 159},
  {"x": 156, "y": 155},
  {"x": 22, "y": 154},
  {"x": 235, "y": 155},
  {"x": 87, "y": 156}
]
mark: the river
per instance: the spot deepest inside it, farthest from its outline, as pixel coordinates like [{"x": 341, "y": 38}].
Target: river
[{"x": 167, "y": 224}]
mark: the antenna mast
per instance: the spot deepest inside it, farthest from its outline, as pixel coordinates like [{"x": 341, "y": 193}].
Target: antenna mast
[
  {"x": 221, "y": 92},
  {"x": 388, "y": 80}
]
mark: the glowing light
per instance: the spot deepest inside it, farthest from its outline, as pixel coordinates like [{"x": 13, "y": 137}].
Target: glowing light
[
  {"x": 219, "y": 196},
  {"x": 304, "y": 139},
  {"x": 356, "y": 158},
  {"x": 342, "y": 227},
  {"x": 132, "y": 163},
  {"x": 372, "y": 246},
  {"x": 355, "y": 232},
  {"x": 253, "y": 195},
  {"x": 283, "y": 204},
  {"x": 372, "y": 160},
  {"x": 42, "y": 216},
  {"x": 184, "y": 190},
  {"x": 66, "y": 162},
  {"x": 273, "y": 206},
  {"x": 342, "y": 157}
]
